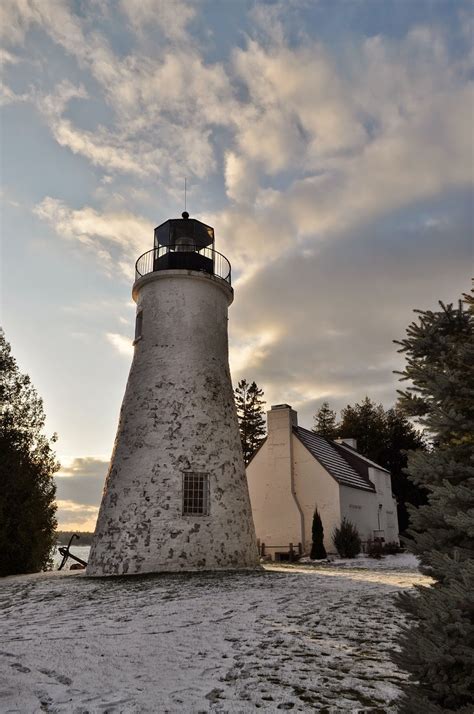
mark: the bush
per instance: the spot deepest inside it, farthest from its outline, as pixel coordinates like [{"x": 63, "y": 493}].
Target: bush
[
  {"x": 392, "y": 548},
  {"x": 375, "y": 549},
  {"x": 318, "y": 551},
  {"x": 347, "y": 539}
]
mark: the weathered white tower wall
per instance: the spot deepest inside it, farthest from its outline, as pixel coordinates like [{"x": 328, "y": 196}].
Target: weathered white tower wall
[{"x": 178, "y": 423}]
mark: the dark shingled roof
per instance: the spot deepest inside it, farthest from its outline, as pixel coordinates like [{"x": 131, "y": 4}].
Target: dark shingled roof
[{"x": 334, "y": 460}]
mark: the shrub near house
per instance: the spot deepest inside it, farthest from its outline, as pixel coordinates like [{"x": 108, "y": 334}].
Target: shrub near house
[
  {"x": 318, "y": 551},
  {"x": 347, "y": 540}
]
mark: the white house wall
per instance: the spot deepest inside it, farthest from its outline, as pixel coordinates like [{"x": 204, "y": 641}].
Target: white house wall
[
  {"x": 362, "y": 507},
  {"x": 275, "y": 514},
  {"x": 388, "y": 513},
  {"x": 315, "y": 487}
]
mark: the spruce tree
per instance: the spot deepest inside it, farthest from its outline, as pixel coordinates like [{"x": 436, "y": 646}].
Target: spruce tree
[
  {"x": 401, "y": 437},
  {"x": 438, "y": 647},
  {"x": 27, "y": 465},
  {"x": 366, "y": 423},
  {"x": 318, "y": 551},
  {"x": 325, "y": 422},
  {"x": 249, "y": 403}
]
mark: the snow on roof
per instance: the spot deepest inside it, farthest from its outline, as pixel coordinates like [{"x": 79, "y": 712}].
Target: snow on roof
[{"x": 333, "y": 461}]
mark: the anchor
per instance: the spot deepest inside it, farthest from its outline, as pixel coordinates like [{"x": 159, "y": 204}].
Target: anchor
[{"x": 65, "y": 552}]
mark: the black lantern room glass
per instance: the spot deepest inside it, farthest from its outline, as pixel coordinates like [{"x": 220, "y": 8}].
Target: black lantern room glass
[
  {"x": 184, "y": 243},
  {"x": 181, "y": 232}
]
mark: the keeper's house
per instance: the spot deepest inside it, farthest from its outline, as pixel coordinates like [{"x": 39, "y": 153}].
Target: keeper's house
[{"x": 295, "y": 470}]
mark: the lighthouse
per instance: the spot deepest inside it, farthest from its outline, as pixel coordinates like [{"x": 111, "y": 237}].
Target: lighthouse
[{"x": 176, "y": 496}]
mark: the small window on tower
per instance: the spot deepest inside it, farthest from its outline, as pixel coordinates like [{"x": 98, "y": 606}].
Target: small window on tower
[
  {"x": 138, "y": 326},
  {"x": 195, "y": 494}
]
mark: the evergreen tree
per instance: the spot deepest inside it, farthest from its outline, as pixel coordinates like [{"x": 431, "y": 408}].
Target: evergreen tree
[
  {"x": 318, "y": 551},
  {"x": 325, "y": 422},
  {"x": 366, "y": 423},
  {"x": 347, "y": 539},
  {"x": 249, "y": 403},
  {"x": 402, "y": 437},
  {"x": 27, "y": 465},
  {"x": 438, "y": 649},
  {"x": 384, "y": 436}
]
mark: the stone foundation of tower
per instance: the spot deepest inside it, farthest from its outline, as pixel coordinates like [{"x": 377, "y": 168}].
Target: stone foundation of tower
[{"x": 178, "y": 426}]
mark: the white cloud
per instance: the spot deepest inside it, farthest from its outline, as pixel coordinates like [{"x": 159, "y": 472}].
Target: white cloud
[
  {"x": 53, "y": 105},
  {"x": 6, "y": 197},
  {"x": 164, "y": 110},
  {"x": 18, "y": 16},
  {"x": 122, "y": 344},
  {"x": 250, "y": 350},
  {"x": 240, "y": 178},
  {"x": 7, "y": 94},
  {"x": 74, "y": 516},
  {"x": 165, "y": 102},
  {"x": 79, "y": 488},
  {"x": 15, "y": 18},
  {"x": 102, "y": 233},
  {"x": 315, "y": 145},
  {"x": 302, "y": 108},
  {"x": 336, "y": 313},
  {"x": 102, "y": 149},
  {"x": 73, "y": 507},
  {"x": 7, "y": 57},
  {"x": 170, "y": 17},
  {"x": 353, "y": 142},
  {"x": 302, "y": 112}
]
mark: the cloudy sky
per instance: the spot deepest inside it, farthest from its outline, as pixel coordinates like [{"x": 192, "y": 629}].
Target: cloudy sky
[{"x": 329, "y": 142}]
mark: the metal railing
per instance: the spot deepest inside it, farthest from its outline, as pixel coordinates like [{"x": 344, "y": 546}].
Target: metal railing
[{"x": 184, "y": 257}]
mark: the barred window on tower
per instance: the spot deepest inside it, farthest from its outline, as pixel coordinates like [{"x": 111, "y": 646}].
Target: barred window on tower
[{"x": 195, "y": 494}]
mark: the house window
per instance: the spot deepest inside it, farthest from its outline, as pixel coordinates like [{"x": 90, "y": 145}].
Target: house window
[
  {"x": 138, "y": 325},
  {"x": 195, "y": 494}
]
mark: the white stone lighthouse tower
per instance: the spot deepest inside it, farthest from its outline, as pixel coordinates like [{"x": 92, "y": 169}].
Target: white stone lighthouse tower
[{"x": 176, "y": 495}]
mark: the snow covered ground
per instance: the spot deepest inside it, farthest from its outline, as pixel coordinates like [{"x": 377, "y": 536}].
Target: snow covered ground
[
  {"x": 403, "y": 561},
  {"x": 290, "y": 637}
]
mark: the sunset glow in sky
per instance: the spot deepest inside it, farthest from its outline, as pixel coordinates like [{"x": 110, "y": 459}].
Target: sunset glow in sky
[{"x": 328, "y": 142}]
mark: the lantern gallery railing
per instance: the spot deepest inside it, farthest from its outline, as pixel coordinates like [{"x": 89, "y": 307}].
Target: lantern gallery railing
[{"x": 183, "y": 257}]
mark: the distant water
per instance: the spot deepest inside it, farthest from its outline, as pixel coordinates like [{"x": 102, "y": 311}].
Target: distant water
[{"x": 82, "y": 551}]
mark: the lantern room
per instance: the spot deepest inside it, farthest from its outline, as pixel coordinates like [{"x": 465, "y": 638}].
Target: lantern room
[
  {"x": 184, "y": 234},
  {"x": 184, "y": 243}
]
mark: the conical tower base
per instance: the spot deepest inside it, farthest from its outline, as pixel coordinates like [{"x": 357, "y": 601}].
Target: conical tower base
[{"x": 176, "y": 496}]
